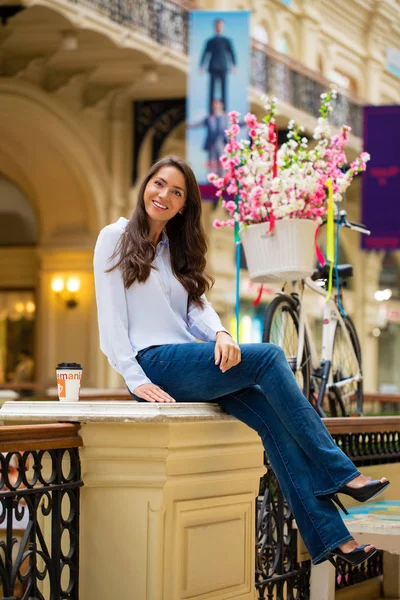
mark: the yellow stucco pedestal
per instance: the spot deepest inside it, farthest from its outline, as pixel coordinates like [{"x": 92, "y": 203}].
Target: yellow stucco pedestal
[{"x": 168, "y": 503}]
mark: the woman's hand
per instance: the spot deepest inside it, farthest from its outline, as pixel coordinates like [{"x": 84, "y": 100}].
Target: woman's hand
[
  {"x": 227, "y": 352},
  {"x": 152, "y": 393}
]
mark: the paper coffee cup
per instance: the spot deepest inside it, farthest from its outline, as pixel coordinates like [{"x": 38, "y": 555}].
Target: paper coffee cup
[{"x": 69, "y": 377}]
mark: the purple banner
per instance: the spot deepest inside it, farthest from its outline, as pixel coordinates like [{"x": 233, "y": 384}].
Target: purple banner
[{"x": 381, "y": 181}]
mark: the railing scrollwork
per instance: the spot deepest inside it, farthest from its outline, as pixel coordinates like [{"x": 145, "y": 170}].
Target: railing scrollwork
[
  {"x": 279, "y": 576},
  {"x": 39, "y": 512}
]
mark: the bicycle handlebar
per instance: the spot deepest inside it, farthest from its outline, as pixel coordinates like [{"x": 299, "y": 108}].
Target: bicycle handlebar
[{"x": 359, "y": 227}]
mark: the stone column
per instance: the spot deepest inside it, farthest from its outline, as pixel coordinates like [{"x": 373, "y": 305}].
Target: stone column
[{"x": 168, "y": 503}]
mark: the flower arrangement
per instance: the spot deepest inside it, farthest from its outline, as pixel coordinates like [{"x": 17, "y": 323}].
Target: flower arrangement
[{"x": 268, "y": 183}]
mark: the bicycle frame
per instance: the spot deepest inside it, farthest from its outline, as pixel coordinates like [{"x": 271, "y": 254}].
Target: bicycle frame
[{"x": 331, "y": 320}]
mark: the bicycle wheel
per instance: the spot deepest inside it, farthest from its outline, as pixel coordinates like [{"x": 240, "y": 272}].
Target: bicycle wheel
[
  {"x": 281, "y": 327},
  {"x": 348, "y": 398}
]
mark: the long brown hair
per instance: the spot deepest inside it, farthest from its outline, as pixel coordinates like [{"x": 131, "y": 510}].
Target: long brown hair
[{"x": 188, "y": 243}]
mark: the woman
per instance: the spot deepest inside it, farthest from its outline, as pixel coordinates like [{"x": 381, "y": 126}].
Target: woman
[{"x": 150, "y": 283}]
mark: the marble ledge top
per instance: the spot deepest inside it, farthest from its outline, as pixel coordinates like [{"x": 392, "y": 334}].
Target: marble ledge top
[{"x": 109, "y": 411}]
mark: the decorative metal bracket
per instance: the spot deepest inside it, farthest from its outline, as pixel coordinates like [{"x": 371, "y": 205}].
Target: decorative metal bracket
[{"x": 162, "y": 116}]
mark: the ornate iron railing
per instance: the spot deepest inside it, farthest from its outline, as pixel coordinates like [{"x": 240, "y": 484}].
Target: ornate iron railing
[
  {"x": 294, "y": 84},
  {"x": 279, "y": 576},
  {"x": 166, "y": 22},
  {"x": 40, "y": 480}
]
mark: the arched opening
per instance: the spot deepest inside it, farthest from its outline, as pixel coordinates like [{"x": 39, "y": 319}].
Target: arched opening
[
  {"x": 283, "y": 45},
  {"x": 18, "y": 228},
  {"x": 18, "y": 225},
  {"x": 260, "y": 34},
  {"x": 53, "y": 192}
]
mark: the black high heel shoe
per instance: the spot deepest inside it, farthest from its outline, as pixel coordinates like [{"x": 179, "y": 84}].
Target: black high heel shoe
[
  {"x": 369, "y": 491},
  {"x": 355, "y": 557}
]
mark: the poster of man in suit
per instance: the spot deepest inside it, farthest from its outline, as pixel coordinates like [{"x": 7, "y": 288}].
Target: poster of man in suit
[
  {"x": 219, "y": 67},
  {"x": 220, "y": 58}
]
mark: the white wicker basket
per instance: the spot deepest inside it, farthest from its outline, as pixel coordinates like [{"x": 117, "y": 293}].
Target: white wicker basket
[{"x": 287, "y": 254}]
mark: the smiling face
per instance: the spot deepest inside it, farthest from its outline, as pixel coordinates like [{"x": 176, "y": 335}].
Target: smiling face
[{"x": 164, "y": 196}]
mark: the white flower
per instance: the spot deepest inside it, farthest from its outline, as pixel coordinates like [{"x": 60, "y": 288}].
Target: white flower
[
  {"x": 343, "y": 185},
  {"x": 250, "y": 180}
]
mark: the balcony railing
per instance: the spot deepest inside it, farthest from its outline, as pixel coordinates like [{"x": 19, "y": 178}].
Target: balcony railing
[
  {"x": 291, "y": 82},
  {"x": 367, "y": 441},
  {"x": 166, "y": 22},
  {"x": 40, "y": 481}
]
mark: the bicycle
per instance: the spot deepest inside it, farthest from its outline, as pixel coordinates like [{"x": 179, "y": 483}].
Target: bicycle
[{"x": 336, "y": 376}]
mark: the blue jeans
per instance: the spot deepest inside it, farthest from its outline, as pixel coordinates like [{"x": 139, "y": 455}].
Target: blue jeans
[{"x": 262, "y": 392}]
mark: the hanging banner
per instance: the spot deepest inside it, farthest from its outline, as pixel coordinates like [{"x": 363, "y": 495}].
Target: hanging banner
[
  {"x": 219, "y": 76},
  {"x": 381, "y": 181}
]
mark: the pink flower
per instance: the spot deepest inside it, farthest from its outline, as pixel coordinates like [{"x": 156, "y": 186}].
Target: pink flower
[
  {"x": 251, "y": 121},
  {"x": 224, "y": 160},
  {"x": 230, "y": 206},
  {"x": 233, "y": 116},
  {"x": 232, "y": 189}
]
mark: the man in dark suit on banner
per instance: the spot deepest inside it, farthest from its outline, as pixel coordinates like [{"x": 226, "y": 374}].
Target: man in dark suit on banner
[{"x": 219, "y": 53}]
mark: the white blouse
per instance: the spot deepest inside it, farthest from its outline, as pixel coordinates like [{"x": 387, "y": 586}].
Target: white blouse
[{"x": 147, "y": 314}]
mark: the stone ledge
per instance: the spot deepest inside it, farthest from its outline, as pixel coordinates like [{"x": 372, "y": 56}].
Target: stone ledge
[{"x": 112, "y": 410}]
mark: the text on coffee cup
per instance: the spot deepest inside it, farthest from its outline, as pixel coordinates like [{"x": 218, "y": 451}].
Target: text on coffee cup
[{"x": 69, "y": 376}]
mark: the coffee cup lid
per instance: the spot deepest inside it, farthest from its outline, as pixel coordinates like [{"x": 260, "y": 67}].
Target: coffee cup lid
[{"x": 69, "y": 365}]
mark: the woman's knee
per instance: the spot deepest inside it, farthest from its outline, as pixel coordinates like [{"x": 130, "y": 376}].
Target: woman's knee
[
  {"x": 273, "y": 352},
  {"x": 262, "y": 353}
]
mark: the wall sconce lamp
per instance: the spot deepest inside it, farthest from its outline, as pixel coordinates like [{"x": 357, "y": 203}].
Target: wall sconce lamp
[{"x": 67, "y": 290}]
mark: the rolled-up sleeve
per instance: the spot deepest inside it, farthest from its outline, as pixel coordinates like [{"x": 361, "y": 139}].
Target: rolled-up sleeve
[
  {"x": 113, "y": 312},
  {"x": 204, "y": 323}
]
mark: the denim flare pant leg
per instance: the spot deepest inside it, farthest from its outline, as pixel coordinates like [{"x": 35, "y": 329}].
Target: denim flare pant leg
[{"x": 263, "y": 393}]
